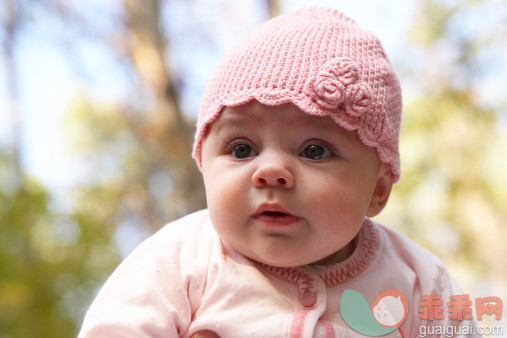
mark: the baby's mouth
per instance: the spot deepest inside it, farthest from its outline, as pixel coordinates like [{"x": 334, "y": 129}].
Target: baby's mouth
[{"x": 274, "y": 214}]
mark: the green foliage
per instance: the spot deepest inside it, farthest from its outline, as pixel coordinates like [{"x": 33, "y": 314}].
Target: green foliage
[
  {"x": 432, "y": 25},
  {"x": 447, "y": 143},
  {"x": 50, "y": 264},
  {"x": 452, "y": 194},
  {"x": 128, "y": 174}
]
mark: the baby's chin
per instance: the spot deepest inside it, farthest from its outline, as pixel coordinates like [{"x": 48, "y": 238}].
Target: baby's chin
[
  {"x": 291, "y": 257},
  {"x": 304, "y": 260},
  {"x": 279, "y": 261},
  {"x": 291, "y": 261},
  {"x": 284, "y": 264}
]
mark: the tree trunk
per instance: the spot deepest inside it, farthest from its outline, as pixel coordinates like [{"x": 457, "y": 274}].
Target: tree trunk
[
  {"x": 165, "y": 128},
  {"x": 11, "y": 25},
  {"x": 274, "y": 8}
]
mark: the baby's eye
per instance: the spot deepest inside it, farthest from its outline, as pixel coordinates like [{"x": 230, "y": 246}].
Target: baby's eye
[
  {"x": 243, "y": 151},
  {"x": 316, "y": 152}
]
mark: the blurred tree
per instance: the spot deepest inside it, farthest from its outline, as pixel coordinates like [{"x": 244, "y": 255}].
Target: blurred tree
[
  {"x": 274, "y": 8},
  {"x": 452, "y": 194},
  {"x": 50, "y": 263},
  {"x": 11, "y": 23},
  {"x": 164, "y": 131}
]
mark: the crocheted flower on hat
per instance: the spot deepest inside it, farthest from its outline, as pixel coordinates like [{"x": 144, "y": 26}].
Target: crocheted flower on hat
[
  {"x": 358, "y": 98},
  {"x": 339, "y": 85}
]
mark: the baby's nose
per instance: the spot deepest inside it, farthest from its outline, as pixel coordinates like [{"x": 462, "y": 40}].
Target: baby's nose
[{"x": 273, "y": 174}]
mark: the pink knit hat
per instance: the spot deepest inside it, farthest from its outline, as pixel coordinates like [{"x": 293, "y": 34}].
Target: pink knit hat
[{"x": 324, "y": 63}]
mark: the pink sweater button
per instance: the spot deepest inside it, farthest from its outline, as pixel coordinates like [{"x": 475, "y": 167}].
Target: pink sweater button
[{"x": 308, "y": 298}]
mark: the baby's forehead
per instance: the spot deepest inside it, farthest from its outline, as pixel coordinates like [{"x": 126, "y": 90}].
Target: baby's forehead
[{"x": 254, "y": 114}]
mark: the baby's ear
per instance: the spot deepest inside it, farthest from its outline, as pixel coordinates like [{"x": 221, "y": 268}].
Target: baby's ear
[{"x": 382, "y": 191}]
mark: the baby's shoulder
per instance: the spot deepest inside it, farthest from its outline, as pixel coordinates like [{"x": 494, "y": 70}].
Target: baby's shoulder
[
  {"x": 400, "y": 253},
  {"x": 184, "y": 241},
  {"x": 191, "y": 226},
  {"x": 410, "y": 261},
  {"x": 404, "y": 247}
]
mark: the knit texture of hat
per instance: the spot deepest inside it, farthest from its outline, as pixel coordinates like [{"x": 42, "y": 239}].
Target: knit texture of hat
[{"x": 324, "y": 63}]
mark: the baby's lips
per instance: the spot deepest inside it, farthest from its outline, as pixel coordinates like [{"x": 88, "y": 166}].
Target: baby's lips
[{"x": 271, "y": 208}]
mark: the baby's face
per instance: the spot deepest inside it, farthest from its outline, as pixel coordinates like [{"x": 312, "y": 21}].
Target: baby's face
[{"x": 286, "y": 188}]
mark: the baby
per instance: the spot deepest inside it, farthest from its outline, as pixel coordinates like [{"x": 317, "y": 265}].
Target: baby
[{"x": 297, "y": 140}]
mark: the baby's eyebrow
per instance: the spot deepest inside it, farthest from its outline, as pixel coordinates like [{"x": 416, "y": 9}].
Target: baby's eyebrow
[
  {"x": 226, "y": 125},
  {"x": 234, "y": 119}
]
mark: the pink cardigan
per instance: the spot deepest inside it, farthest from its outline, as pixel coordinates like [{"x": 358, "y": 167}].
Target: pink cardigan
[{"x": 185, "y": 279}]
